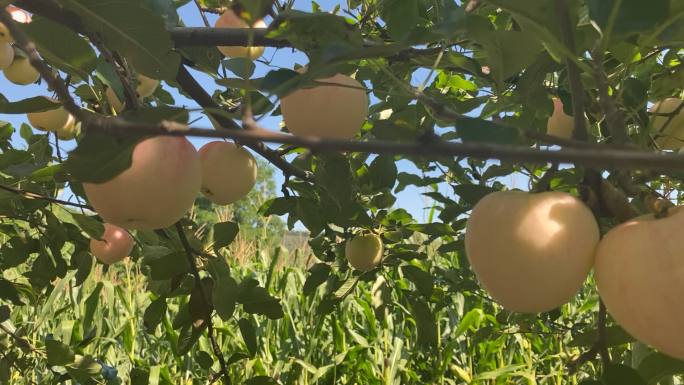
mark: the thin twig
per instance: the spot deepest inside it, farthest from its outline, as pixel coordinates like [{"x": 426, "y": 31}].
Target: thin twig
[
  {"x": 201, "y": 12},
  {"x": 205, "y": 297},
  {"x": 31, "y": 195},
  {"x": 21, "y": 341}
]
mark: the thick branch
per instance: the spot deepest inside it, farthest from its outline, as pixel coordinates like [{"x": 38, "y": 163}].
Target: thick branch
[
  {"x": 205, "y": 297},
  {"x": 608, "y": 158}
]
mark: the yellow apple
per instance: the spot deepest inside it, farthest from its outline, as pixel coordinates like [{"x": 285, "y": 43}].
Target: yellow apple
[
  {"x": 229, "y": 172},
  {"x": 115, "y": 245},
  {"x": 156, "y": 191},
  {"x": 230, "y": 20},
  {"x": 70, "y": 130},
  {"x": 326, "y": 111},
  {"x": 531, "y": 252},
  {"x": 670, "y": 136},
  {"x": 146, "y": 86},
  {"x": 6, "y": 55},
  {"x": 21, "y": 71},
  {"x": 638, "y": 273},
  {"x": 560, "y": 124},
  {"x": 50, "y": 120},
  {"x": 364, "y": 252}
]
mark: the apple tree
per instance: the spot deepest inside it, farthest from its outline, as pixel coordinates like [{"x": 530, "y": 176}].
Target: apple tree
[{"x": 544, "y": 135}]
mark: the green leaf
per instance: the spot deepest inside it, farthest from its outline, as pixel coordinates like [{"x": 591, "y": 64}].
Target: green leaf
[
  {"x": 256, "y": 300},
  {"x": 154, "y": 314},
  {"x": 615, "y": 336},
  {"x": 166, "y": 266},
  {"x": 426, "y": 324},
  {"x": 240, "y": 66},
  {"x": 633, "y": 15},
  {"x": 100, "y": 157},
  {"x": 616, "y": 374},
  {"x": 472, "y": 193},
  {"x": 9, "y": 292},
  {"x": 126, "y": 26},
  {"x": 84, "y": 369},
  {"x": 248, "y": 333},
  {"x": 422, "y": 279},
  {"x": 261, "y": 380},
  {"x": 470, "y": 321},
  {"x": 58, "y": 354},
  {"x": 318, "y": 274},
  {"x": 382, "y": 172},
  {"x": 224, "y": 234},
  {"x": 656, "y": 367},
  {"x": 93, "y": 227},
  {"x": 485, "y": 131},
  {"x": 33, "y": 104},
  {"x": 69, "y": 52}
]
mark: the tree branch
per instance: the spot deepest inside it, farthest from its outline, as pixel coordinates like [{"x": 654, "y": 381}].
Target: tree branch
[
  {"x": 435, "y": 148},
  {"x": 205, "y": 297},
  {"x": 45, "y": 71},
  {"x": 31, "y": 195},
  {"x": 190, "y": 86}
]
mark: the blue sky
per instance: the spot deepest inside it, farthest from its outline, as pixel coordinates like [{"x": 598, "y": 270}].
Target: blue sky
[{"x": 409, "y": 199}]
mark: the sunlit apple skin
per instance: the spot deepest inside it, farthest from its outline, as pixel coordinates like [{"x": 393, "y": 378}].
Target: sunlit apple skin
[
  {"x": 18, "y": 14},
  {"x": 230, "y": 20},
  {"x": 116, "y": 244},
  {"x": 6, "y": 55},
  {"x": 21, "y": 72},
  {"x": 364, "y": 252},
  {"x": 639, "y": 273},
  {"x": 50, "y": 120},
  {"x": 70, "y": 130},
  {"x": 670, "y": 137},
  {"x": 156, "y": 191},
  {"x": 531, "y": 252},
  {"x": 327, "y": 111},
  {"x": 229, "y": 172},
  {"x": 560, "y": 124},
  {"x": 146, "y": 86}
]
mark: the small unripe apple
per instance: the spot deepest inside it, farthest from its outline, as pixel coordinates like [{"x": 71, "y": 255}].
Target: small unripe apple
[
  {"x": 116, "y": 244},
  {"x": 560, "y": 124},
  {"x": 229, "y": 172},
  {"x": 156, "y": 191},
  {"x": 638, "y": 274},
  {"x": 70, "y": 130},
  {"x": 21, "y": 72},
  {"x": 364, "y": 252},
  {"x": 114, "y": 100},
  {"x": 670, "y": 136},
  {"x": 50, "y": 120},
  {"x": 6, "y": 55},
  {"x": 146, "y": 86},
  {"x": 327, "y": 111},
  {"x": 531, "y": 252},
  {"x": 230, "y": 20}
]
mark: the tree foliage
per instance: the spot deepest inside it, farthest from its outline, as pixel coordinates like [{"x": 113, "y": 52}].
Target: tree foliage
[{"x": 481, "y": 72}]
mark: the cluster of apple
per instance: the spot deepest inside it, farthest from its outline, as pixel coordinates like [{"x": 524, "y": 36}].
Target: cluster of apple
[
  {"x": 14, "y": 63},
  {"x": 533, "y": 251},
  {"x": 668, "y": 131},
  {"x": 160, "y": 186}
]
